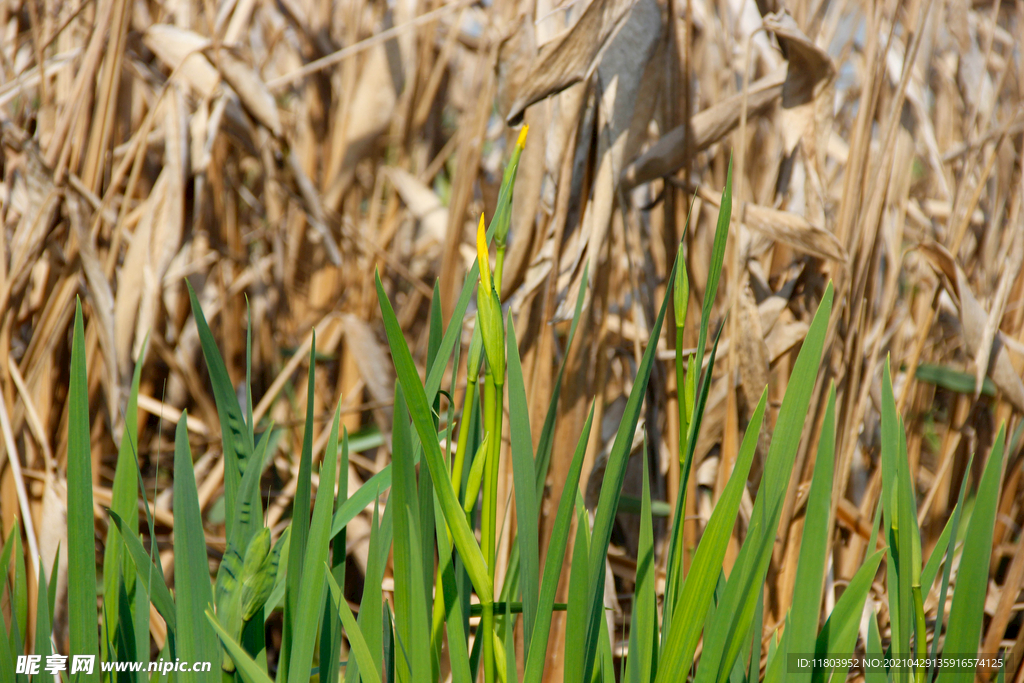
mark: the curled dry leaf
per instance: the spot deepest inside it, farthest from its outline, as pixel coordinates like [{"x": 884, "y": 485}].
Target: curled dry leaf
[
  {"x": 573, "y": 56},
  {"x": 972, "y": 324},
  {"x": 785, "y": 227},
  {"x": 178, "y": 47},
  {"x": 667, "y": 155},
  {"x": 251, "y": 89},
  {"x": 806, "y": 116},
  {"x": 793, "y": 230},
  {"x": 806, "y": 101}
]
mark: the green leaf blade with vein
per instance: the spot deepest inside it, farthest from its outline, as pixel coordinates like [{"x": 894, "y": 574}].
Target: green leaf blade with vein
[
  {"x": 247, "y": 668},
  {"x": 525, "y": 485},
  {"x": 967, "y": 612},
  {"x": 360, "y": 649},
  {"x": 839, "y": 634},
  {"x": 234, "y": 432},
  {"x": 611, "y": 489},
  {"x": 312, "y": 588},
  {"x": 411, "y": 623},
  {"x": 643, "y": 635},
  {"x": 810, "y": 573},
  {"x": 195, "y": 639},
  {"x": 146, "y": 571},
  {"x": 419, "y": 409},
  {"x": 299, "y": 526},
  {"x": 735, "y": 614},
  {"x": 124, "y": 497},
  {"x": 899, "y": 509},
  {"x": 697, "y": 591},
  {"x": 81, "y": 532},
  {"x": 556, "y": 553}
]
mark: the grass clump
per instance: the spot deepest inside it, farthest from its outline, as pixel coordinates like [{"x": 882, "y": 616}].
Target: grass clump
[{"x": 449, "y": 615}]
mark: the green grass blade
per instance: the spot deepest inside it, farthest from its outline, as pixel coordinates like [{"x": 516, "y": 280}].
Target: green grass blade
[
  {"x": 954, "y": 525},
  {"x": 312, "y": 588},
  {"x": 158, "y": 591},
  {"x": 6, "y": 654},
  {"x": 577, "y": 613},
  {"x": 330, "y": 630},
  {"x": 44, "y": 616},
  {"x": 246, "y": 666},
  {"x": 419, "y": 409},
  {"x": 643, "y": 634},
  {"x": 679, "y": 645},
  {"x": 81, "y": 532},
  {"x": 371, "y": 612},
  {"x": 299, "y": 526},
  {"x": 51, "y": 593},
  {"x": 237, "y": 445},
  {"x": 931, "y": 569},
  {"x": 124, "y": 501},
  {"x": 228, "y": 587},
  {"x": 873, "y": 650},
  {"x": 360, "y": 649},
  {"x": 7, "y": 660},
  {"x": 358, "y": 501},
  {"x": 810, "y": 573},
  {"x": 534, "y": 669},
  {"x": 125, "y": 642},
  {"x": 458, "y": 653},
  {"x": 952, "y": 380},
  {"x": 20, "y": 598},
  {"x": 193, "y": 596},
  {"x": 611, "y": 489},
  {"x": 674, "y": 570},
  {"x": 754, "y": 672},
  {"x": 735, "y": 614},
  {"x": 525, "y": 485},
  {"x": 839, "y": 634},
  {"x": 967, "y": 612},
  {"x": 899, "y": 508},
  {"x": 717, "y": 259},
  {"x": 411, "y": 622}
]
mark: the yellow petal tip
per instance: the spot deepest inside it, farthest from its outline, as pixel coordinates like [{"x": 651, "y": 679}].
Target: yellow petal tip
[
  {"x": 483, "y": 255},
  {"x": 521, "y": 142}
]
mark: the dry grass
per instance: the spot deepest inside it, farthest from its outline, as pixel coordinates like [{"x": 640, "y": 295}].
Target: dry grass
[{"x": 285, "y": 150}]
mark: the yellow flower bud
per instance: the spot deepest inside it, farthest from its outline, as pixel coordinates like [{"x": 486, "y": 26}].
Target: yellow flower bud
[{"x": 483, "y": 256}]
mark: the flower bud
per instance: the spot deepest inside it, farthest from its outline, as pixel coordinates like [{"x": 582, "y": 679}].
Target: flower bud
[{"x": 681, "y": 293}]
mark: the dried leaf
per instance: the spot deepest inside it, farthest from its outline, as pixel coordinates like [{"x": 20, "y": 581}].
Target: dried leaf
[
  {"x": 667, "y": 155},
  {"x": 178, "y": 47},
  {"x": 806, "y": 105},
  {"x": 251, "y": 89},
  {"x": 574, "y": 55},
  {"x": 792, "y": 229}
]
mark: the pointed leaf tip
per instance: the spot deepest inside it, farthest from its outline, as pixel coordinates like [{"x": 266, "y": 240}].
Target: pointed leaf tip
[{"x": 521, "y": 142}]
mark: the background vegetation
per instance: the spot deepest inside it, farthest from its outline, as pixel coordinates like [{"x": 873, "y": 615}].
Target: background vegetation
[{"x": 285, "y": 151}]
